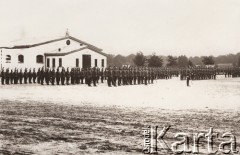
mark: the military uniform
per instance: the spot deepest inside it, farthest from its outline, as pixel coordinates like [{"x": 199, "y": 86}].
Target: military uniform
[
  {"x": 89, "y": 77},
  {"x": 42, "y": 76},
  {"x": 16, "y": 76},
  {"x": 58, "y": 77},
  {"x": 34, "y": 75},
  {"x": 47, "y": 76},
  {"x": 114, "y": 77},
  {"x": 25, "y": 76},
  {"x": 82, "y": 75},
  {"x": 72, "y": 74},
  {"x": 7, "y": 77},
  {"x": 63, "y": 77},
  {"x": 2, "y": 77},
  {"x": 39, "y": 76},
  {"x": 20, "y": 75},
  {"x": 30, "y": 76},
  {"x": 11, "y": 76},
  {"x": 109, "y": 77},
  {"x": 94, "y": 76},
  {"x": 53, "y": 76}
]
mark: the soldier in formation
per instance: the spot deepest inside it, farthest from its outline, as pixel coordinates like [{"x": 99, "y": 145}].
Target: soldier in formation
[
  {"x": 115, "y": 76},
  {"x": 198, "y": 73}
]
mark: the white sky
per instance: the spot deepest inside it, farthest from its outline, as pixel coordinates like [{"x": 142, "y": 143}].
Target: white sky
[{"x": 190, "y": 27}]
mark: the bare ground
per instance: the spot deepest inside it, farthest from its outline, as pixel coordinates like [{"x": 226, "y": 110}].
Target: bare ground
[
  {"x": 37, "y": 128},
  {"x": 45, "y": 125}
]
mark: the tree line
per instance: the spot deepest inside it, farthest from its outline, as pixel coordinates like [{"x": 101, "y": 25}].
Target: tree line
[{"x": 139, "y": 59}]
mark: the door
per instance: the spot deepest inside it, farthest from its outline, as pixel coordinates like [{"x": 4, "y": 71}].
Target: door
[{"x": 86, "y": 60}]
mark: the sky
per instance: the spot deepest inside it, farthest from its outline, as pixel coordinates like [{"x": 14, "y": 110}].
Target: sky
[{"x": 164, "y": 27}]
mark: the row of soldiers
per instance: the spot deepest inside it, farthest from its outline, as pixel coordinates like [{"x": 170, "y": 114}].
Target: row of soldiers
[
  {"x": 115, "y": 76},
  {"x": 15, "y": 76},
  {"x": 202, "y": 73},
  {"x": 48, "y": 76},
  {"x": 230, "y": 72},
  {"x": 198, "y": 73}
]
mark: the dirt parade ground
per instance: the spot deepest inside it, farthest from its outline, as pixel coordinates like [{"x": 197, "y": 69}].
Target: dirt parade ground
[{"x": 77, "y": 119}]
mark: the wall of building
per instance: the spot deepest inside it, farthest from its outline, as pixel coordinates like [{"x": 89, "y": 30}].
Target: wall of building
[
  {"x": 70, "y": 60},
  {"x": 30, "y": 54}
]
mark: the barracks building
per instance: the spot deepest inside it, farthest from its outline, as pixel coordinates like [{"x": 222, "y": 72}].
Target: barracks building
[{"x": 60, "y": 52}]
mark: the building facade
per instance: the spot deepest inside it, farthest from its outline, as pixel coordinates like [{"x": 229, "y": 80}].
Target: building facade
[{"x": 67, "y": 52}]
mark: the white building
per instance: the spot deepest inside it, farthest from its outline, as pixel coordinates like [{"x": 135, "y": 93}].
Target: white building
[{"x": 61, "y": 52}]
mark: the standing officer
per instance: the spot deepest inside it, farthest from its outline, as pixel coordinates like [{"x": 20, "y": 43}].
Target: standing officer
[
  {"x": 130, "y": 71},
  {"x": 34, "y": 75},
  {"x": 114, "y": 79},
  {"x": 188, "y": 79},
  {"x": 16, "y": 76},
  {"x": 124, "y": 72},
  {"x": 82, "y": 75},
  {"x": 145, "y": 76},
  {"x": 94, "y": 76},
  {"x": 20, "y": 75},
  {"x": 98, "y": 74},
  {"x": 89, "y": 77},
  {"x": 2, "y": 76},
  {"x": 77, "y": 76},
  {"x": 47, "y": 76},
  {"x": 109, "y": 76},
  {"x": 63, "y": 76},
  {"x": 119, "y": 76},
  {"x": 11, "y": 76},
  {"x": 67, "y": 74},
  {"x": 42, "y": 76},
  {"x": 102, "y": 75},
  {"x": 72, "y": 76},
  {"x": 30, "y": 76},
  {"x": 138, "y": 75},
  {"x": 134, "y": 75},
  {"x": 86, "y": 76},
  {"x": 53, "y": 76},
  {"x": 7, "y": 77},
  {"x": 25, "y": 76},
  {"x": 152, "y": 75},
  {"x": 58, "y": 76},
  {"x": 39, "y": 76}
]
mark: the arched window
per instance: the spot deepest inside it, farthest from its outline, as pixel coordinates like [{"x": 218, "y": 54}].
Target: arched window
[
  {"x": 39, "y": 59},
  {"x": 20, "y": 59},
  {"x": 8, "y": 58}
]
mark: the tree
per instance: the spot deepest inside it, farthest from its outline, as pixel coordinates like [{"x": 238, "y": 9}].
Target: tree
[
  {"x": 172, "y": 61},
  {"x": 208, "y": 60},
  {"x": 238, "y": 61},
  {"x": 182, "y": 61},
  {"x": 110, "y": 59},
  {"x": 190, "y": 63},
  {"x": 155, "y": 61},
  {"x": 139, "y": 59},
  {"x": 196, "y": 60},
  {"x": 119, "y": 60}
]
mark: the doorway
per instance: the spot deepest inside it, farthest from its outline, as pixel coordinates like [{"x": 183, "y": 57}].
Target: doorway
[{"x": 86, "y": 60}]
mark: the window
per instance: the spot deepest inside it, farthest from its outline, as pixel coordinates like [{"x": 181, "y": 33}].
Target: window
[
  {"x": 53, "y": 62},
  {"x": 68, "y": 42},
  {"x": 60, "y": 62},
  {"x": 77, "y": 62},
  {"x": 8, "y": 58},
  {"x": 20, "y": 59},
  {"x": 102, "y": 62},
  {"x": 95, "y": 62},
  {"x": 39, "y": 59},
  {"x": 48, "y": 62}
]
